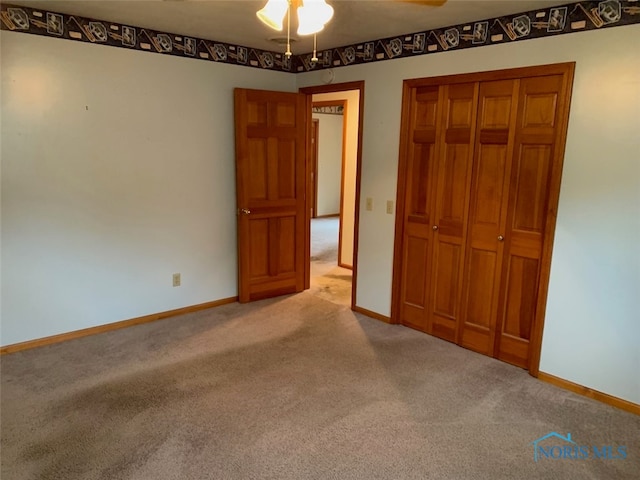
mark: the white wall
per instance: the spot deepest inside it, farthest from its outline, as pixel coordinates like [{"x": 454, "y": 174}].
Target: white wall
[
  {"x": 101, "y": 206},
  {"x": 352, "y": 117},
  {"x": 592, "y": 331},
  {"x": 329, "y": 163},
  {"x": 117, "y": 171}
]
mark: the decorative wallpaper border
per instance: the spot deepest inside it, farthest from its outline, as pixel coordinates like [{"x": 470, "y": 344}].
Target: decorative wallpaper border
[
  {"x": 328, "y": 109},
  {"x": 571, "y": 18},
  {"x": 100, "y": 32}
]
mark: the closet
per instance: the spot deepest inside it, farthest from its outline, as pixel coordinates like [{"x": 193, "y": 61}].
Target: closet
[{"x": 478, "y": 184}]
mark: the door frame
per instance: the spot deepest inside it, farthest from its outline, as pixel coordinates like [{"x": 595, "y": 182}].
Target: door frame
[
  {"x": 309, "y": 92},
  {"x": 313, "y": 165},
  {"x": 567, "y": 71},
  {"x": 344, "y": 104}
]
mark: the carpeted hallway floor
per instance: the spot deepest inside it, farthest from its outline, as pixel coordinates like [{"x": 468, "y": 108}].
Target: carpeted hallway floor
[
  {"x": 328, "y": 280},
  {"x": 296, "y": 387}
]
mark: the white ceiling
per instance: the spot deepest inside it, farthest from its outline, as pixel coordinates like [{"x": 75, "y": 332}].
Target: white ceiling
[{"x": 235, "y": 22}]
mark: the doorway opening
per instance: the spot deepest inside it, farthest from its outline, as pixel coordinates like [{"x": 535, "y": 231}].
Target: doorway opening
[
  {"x": 328, "y": 280},
  {"x": 335, "y": 140}
]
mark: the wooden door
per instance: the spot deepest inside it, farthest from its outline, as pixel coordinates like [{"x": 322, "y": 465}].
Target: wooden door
[
  {"x": 455, "y": 158},
  {"x": 488, "y": 211},
  {"x": 537, "y": 130},
  {"x": 485, "y": 262},
  {"x": 270, "y": 189},
  {"x": 419, "y": 182}
]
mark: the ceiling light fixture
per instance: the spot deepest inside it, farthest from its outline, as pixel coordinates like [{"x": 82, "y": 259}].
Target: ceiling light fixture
[{"x": 313, "y": 15}]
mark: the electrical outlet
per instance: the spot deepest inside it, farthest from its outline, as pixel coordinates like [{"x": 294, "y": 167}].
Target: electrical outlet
[
  {"x": 176, "y": 279},
  {"x": 369, "y": 204},
  {"x": 390, "y": 207}
]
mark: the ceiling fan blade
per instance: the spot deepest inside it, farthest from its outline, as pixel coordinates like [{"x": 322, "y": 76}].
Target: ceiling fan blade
[{"x": 429, "y": 3}]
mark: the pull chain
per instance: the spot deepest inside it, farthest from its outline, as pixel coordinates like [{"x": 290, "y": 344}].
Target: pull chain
[
  {"x": 314, "y": 59},
  {"x": 288, "y": 52}
]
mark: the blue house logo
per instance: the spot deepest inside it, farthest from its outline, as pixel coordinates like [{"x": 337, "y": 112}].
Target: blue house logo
[
  {"x": 548, "y": 452},
  {"x": 566, "y": 448}
]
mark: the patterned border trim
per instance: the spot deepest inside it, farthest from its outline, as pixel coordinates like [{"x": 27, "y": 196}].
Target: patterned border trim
[
  {"x": 72, "y": 27},
  {"x": 328, "y": 109},
  {"x": 571, "y": 18}
]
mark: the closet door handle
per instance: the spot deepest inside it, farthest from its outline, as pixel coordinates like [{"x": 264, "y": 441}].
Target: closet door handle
[
  {"x": 435, "y": 228},
  {"x": 500, "y": 238}
]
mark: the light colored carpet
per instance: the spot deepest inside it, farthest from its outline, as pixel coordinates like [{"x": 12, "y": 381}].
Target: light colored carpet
[
  {"x": 324, "y": 240},
  {"x": 328, "y": 280},
  {"x": 296, "y": 387}
]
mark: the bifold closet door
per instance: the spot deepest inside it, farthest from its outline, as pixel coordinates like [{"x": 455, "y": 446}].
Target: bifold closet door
[
  {"x": 493, "y": 150},
  {"x": 440, "y": 154},
  {"x": 478, "y": 184},
  {"x": 422, "y": 129},
  {"x": 454, "y": 148},
  {"x": 538, "y": 128}
]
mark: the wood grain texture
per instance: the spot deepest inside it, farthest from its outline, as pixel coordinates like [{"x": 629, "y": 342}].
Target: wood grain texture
[
  {"x": 398, "y": 243},
  {"x": 489, "y": 202},
  {"x": 271, "y": 189},
  {"x": 63, "y": 337},
  {"x": 535, "y": 343},
  {"x": 520, "y": 136},
  {"x": 491, "y": 75},
  {"x": 450, "y": 218},
  {"x": 423, "y": 151}
]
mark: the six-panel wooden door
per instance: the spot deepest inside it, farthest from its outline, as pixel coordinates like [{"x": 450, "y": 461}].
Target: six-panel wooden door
[
  {"x": 489, "y": 191},
  {"x": 538, "y": 129},
  {"x": 426, "y": 109},
  {"x": 478, "y": 186},
  {"x": 270, "y": 189},
  {"x": 454, "y": 160}
]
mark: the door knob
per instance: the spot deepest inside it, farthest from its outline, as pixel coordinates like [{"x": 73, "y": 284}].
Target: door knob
[
  {"x": 500, "y": 238},
  {"x": 435, "y": 227},
  {"x": 245, "y": 211}
]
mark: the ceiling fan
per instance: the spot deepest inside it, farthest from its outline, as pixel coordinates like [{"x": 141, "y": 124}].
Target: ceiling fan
[
  {"x": 430, "y": 3},
  {"x": 313, "y": 15}
]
